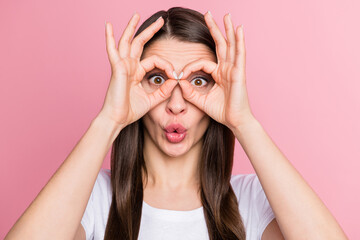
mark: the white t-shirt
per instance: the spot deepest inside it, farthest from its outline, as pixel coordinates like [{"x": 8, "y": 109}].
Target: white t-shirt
[{"x": 159, "y": 224}]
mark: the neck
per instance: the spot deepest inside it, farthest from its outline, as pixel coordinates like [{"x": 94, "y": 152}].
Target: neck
[{"x": 171, "y": 172}]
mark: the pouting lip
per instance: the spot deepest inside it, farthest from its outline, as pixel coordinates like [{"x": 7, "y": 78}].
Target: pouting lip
[{"x": 175, "y": 126}]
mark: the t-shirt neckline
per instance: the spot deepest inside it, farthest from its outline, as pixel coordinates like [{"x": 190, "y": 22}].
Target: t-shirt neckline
[{"x": 172, "y": 215}]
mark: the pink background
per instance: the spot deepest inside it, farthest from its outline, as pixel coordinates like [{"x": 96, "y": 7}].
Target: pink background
[{"x": 302, "y": 73}]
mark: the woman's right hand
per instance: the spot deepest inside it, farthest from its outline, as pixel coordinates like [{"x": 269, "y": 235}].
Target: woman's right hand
[{"x": 126, "y": 100}]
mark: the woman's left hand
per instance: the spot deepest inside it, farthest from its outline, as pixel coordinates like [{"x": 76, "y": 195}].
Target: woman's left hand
[{"x": 227, "y": 101}]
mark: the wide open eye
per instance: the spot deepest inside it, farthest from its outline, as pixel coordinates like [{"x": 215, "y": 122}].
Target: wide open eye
[
  {"x": 156, "y": 79},
  {"x": 199, "y": 81}
]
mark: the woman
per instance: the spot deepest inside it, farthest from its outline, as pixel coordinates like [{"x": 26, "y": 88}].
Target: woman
[{"x": 175, "y": 103}]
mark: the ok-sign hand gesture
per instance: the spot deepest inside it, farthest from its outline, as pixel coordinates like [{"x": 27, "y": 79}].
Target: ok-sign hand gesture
[
  {"x": 227, "y": 101},
  {"x": 126, "y": 100}
]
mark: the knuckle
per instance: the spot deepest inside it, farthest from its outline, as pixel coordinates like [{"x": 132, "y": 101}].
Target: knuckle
[
  {"x": 152, "y": 31},
  {"x": 124, "y": 40},
  {"x": 155, "y": 58},
  {"x": 191, "y": 95},
  {"x": 142, "y": 41},
  {"x": 229, "y": 43},
  {"x": 137, "y": 42},
  {"x": 151, "y": 100},
  {"x": 162, "y": 93}
]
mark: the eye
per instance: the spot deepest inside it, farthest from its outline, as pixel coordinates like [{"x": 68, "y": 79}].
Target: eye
[
  {"x": 156, "y": 79},
  {"x": 199, "y": 81}
]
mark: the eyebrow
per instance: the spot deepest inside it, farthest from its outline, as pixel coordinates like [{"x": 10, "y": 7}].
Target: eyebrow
[
  {"x": 202, "y": 72},
  {"x": 163, "y": 71},
  {"x": 155, "y": 70}
]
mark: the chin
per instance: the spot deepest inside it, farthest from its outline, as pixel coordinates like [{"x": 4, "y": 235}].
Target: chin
[{"x": 174, "y": 150}]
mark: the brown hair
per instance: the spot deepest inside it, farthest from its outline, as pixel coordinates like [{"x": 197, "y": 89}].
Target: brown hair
[{"x": 220, "y": 204}]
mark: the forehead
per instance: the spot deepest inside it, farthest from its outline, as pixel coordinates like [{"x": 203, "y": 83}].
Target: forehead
[{"x": 179, "y": 53}]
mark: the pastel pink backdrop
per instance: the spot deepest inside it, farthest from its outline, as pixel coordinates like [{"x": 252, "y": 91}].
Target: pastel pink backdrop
[{"x": 302, "y": 76}]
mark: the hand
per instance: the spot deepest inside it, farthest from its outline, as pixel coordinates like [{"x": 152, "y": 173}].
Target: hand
[
  {"x": 126, "y": 100},
  {"x": 227, "y": 101}
]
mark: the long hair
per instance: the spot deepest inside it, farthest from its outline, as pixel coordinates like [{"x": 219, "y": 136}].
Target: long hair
[{"x": 219, "y": 202}]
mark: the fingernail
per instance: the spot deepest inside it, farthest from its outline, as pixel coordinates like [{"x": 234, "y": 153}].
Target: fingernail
[
  {"x": 210, "y": 13},
  {"x": 158, "y": 18},
  {"x": 175, "y": 76},
  {"x": 180, "y": 76},
  {"x": 229, "y": 15}
]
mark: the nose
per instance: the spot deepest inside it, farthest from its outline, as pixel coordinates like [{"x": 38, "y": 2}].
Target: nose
[{"x": 176, "y": 103}]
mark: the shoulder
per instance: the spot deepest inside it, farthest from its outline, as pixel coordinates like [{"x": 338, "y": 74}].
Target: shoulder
[
  {"x": 102, "y": 190},
  {"x": 97, "y": 210},
  {"x": 104, "y": 177},
  {"x": 248, "y": 190},
  {"x": 246, "y": 184},
  {"x": 254, "y": 206}
]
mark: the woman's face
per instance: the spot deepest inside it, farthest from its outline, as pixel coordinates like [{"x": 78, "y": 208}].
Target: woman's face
[{"x": 175, "y": 109}]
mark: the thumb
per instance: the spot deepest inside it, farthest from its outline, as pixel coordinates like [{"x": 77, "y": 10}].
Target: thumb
[
  {"x": 192, "y": 95},
  {"x": 162, "y": 93}
]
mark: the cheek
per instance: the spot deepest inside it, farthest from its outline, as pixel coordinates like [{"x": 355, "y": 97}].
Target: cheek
[
  {"x": 201, "y": 127},
  {"x": 195, "y": 113},
  {"x": 152, "y": 119},
  {"x": 200, "y": 121}
]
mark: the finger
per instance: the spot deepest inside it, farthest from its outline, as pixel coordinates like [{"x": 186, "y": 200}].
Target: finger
[
  {"x": 199, "y": 65},
  {"x": 110, "y": 44},
  {"x": 217, "y": 36},
  {"x": 192, "y": 95},
  {"x": 230, "y": 36},
  {"x": 162, "y": 93},
  {"x": 125, "y": 40},
  {"x": 240, "y": 54},
  {"x": 154, "y": 61},
  {"x": 139, "y": 41}
]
